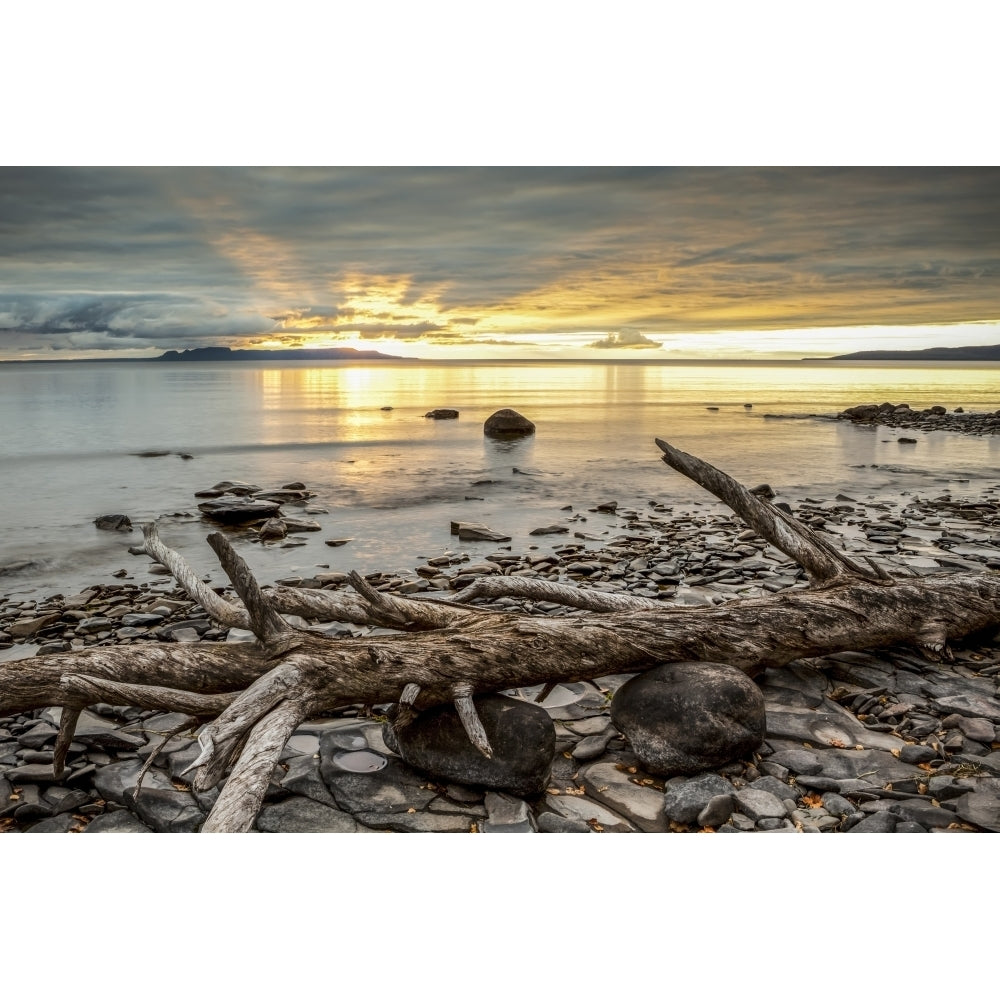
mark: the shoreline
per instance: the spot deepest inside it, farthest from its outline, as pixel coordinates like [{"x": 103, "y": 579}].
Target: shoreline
[{"x": 698, "y": 556}]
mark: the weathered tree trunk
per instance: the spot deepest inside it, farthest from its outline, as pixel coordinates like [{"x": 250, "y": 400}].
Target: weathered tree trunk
[{"x": 256, "y": 695}]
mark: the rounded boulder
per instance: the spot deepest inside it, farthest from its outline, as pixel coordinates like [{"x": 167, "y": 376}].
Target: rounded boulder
[
  {"x": 690, "y": 716},
  {"x": 521, "y": 734},
  {"x": 507, "y": 424}
]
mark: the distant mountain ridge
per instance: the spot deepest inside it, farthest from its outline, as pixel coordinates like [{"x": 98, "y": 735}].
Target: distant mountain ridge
[
  {"x": 288, "y": 354},
  {"x": 928, "y": 354}
]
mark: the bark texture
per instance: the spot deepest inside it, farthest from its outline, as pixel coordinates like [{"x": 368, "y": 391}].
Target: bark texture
[{"x": 253, "y": 696}]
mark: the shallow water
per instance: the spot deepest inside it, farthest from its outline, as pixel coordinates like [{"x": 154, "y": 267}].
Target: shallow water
[{"x": 392, "y": 480}]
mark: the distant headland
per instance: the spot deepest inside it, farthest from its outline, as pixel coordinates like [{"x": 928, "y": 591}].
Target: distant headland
[
  {"x": 289, "y": 354},
  {"x": 928, "y": 354}
]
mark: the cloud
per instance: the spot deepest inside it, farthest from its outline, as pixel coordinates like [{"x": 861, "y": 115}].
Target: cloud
[
  {"x": 159, "y": 318},
  {"x": 625, "y": 338},
  {"x": 189, "y": 256}
]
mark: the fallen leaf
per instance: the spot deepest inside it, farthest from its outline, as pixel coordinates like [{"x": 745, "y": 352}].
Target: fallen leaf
[
  {"x": 677, "y": 827},
  {"x": 411, "y": 810},
  {"x": 926, "y": 766},
  {"x": 812, "y": 800},
  {"x": 840, "y": 744},
  {"x": 595, "y": 826},
  {"x": 706, "y": 829}
]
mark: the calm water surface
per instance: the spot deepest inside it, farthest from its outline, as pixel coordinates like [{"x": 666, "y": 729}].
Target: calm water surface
[{"x": 393, "y": 480}]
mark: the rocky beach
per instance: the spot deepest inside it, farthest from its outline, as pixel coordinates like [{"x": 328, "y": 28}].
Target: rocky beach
[{"x": 868, "y": 741}]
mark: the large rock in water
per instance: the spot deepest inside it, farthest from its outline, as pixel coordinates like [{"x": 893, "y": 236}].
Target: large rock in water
[
  {"x": 521, "y": 734},
  {"x": 442, "y": 413},
  {"x": 690, "y": 716},
  {"x": 236, "y": 511},
  {"x": 113, "y": 522},
  {"x": 508, "y": 424}
]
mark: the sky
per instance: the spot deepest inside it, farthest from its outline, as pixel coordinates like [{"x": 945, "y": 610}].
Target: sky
[{"x": 480, "y": 262}]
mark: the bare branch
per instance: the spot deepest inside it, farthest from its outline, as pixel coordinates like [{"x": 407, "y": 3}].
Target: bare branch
[
  {"x": 67, "y": 729},
  {"x": 491, "y": 587},
  {"x": 237, "y": 806},
  {"x": 218, "y": 607},
  {"x": 815, "y": 555},
  {"x": 264, "y": 621},
  {"x": 471, "y": 722}
]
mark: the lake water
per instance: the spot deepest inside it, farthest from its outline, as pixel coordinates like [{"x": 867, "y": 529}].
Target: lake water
[{"x": 393, "y": 480}]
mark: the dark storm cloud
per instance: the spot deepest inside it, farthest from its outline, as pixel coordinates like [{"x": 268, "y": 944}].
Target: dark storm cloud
[{"x": 165, "y": 255}]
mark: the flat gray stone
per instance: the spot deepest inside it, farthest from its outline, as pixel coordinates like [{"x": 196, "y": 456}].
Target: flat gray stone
[
  {"x": 303, "y": 815},
  {"x": 980, "y": 809},
  {"x": 54, "y": 824},
  {"x": 303, "y": 778},
  {"x": 642, "y": 805},
  {"x": 416, "y": 822},
  {"x": 829, "y": 726},
  {"x": 973, "y": 705},
  {"x": 550, "y": 822},
  {"x": 506, "y": 814},
  {"x": 119, "y": 821},
  {"x": 579, "y": 807},
  {"x": 759, "y": 804},
  {"x": 394, "y": 789},
  {"x": 879, "y": 822}
]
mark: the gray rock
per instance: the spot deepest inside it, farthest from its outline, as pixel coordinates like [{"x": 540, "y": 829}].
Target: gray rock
[
  {"x": 691, "y": 716},
  {"x": 924, "y": 813},
  {"x": 304, "y": 815},
  {"x": 442, "y": 413},
  {"x": 234, "y": 511},
  {"x": 684, "y": 799},
  {"x": 973, "y": 705},
  {"x": 550, "y": 822},
  {"x": 506, "y": 424},
  {"x": 977, "y": 729},
  {"x": 778, "y": 789},
  {"x": 54, "y": 824},
  {"x": 119, "y": 821},
  {"x": 837, "y": 805},
  {"x": 303, "y": 778},
  {"x": 521, "y": 734},
  {"x": 416, "y": 822},
  {"x": 592, "y": 746},
  {"x": 980, "y": 809},
  {"x": 65, "y": 799},
  {"x": 506, "y": 814},
  {"x": 717, "y": 811},
  {"x": 640, "y": 804},
  {"x": 579, "y": 807},
  {"x": 113, "y": 522},
  {"x": 162, "y": 806},
  {"x": 394, "y": 789},
  {"x": 880, "y": 822},
  {"x": 798, "y": 760},
  {"x": 917, "y": 753},
  {"x": 759, "y": 804}
]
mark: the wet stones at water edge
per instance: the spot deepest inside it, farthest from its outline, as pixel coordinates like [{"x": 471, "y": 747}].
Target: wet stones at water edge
[
  {"x": 113, "y": 522},
  {"x": 521, "y": 734},
  {"x": 443, "y": 413},
  {"x": 687, "y": 717},
  {"x": 932, "y": 418},
  {"x": 507, "y": 424}
]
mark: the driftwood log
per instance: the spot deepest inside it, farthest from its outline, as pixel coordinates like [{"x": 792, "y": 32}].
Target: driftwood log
[{"x": 253, "y": 696}]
